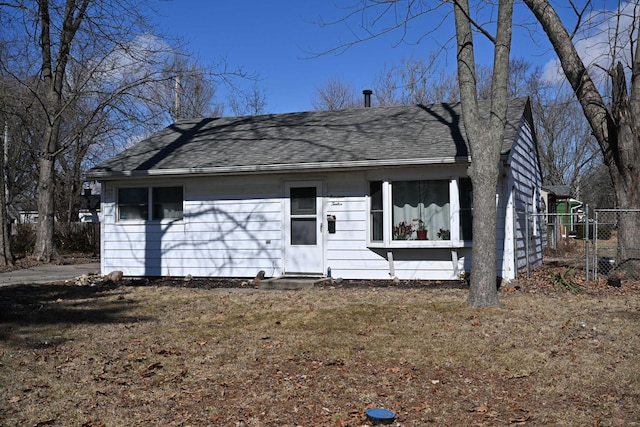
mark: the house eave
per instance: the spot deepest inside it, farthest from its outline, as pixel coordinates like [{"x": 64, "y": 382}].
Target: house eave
[{"x": 275, "y": 168}]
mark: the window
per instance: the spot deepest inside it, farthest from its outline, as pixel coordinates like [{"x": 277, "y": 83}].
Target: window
[
  {"x": 303, "y": 216},
  {"x": 420, "y": 212},
  {"x": 165, "y": 203},
  {"x": 133, "y": 203},
  {"x": 376, "y": 211}
]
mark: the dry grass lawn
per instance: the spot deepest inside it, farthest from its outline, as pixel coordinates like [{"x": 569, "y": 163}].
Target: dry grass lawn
[{"x": 164, "y": 356}]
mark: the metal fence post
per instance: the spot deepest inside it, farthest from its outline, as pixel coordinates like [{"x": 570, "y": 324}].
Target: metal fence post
[
  {"x": 586, "y": 241},
  {"x": 594, "y": 245},
  {"x": 526, "y": 242}
]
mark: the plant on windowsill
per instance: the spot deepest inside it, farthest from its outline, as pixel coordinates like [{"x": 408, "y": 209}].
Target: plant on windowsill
[
  {"x": 421, "y": 232},
  {"x": 402, "y": 231},
  {"x": 444, "y": 234}
]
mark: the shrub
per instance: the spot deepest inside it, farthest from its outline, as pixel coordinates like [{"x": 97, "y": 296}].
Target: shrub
[
  {"x": 82, "y": 237},
  {"x": 23, "y": 239}
]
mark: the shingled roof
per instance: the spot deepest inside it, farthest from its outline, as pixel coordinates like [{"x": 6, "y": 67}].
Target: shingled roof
[{"x": 318, "y": 140}]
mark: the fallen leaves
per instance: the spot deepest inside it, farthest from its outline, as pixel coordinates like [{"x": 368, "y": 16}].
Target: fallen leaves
[
  {"x": 151, "y": 370},
  {"x": 320, "y": 357}
]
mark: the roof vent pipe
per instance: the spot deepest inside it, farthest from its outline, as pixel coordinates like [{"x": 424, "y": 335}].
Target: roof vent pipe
[{"x": 367, "y": 97}]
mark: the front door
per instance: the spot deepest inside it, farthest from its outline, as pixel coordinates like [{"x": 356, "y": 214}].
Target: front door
[{"x": 303, "y": 253}]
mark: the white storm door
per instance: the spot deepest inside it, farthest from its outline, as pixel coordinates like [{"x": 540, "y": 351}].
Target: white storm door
[{"x": 303, "y": 249}]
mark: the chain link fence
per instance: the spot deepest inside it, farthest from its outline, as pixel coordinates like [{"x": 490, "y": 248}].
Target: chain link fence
[
  {"x": 593, "y": 242},
  {"x": 616, "y": 244}
]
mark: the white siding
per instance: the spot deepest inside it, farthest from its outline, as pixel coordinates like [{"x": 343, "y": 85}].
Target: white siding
[
  {"x": 231, "y": 227},
  {"x": 348, "y": 255}
]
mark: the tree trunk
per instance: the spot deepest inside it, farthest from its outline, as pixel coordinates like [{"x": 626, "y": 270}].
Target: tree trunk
[
  {"x": 53, "y": 74},
  {"x": 483, "y": 290},
  {"x": 485, "y": 141},
  {"x": 6, "y": 257},
  {"x": 624, "y": 166},
  {"x": 617, "y": 131},
  {"x": 44, "y": 248}
]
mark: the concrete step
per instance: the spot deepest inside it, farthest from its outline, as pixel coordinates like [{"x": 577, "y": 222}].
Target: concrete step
[{"x": 291, "y": 283}]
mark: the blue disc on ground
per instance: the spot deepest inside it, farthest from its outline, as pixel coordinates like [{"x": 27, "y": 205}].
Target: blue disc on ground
[{"x": 379, "y": 415}]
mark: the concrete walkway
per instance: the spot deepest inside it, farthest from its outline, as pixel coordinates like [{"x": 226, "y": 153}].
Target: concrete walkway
[{"x": 48, "y": 273}]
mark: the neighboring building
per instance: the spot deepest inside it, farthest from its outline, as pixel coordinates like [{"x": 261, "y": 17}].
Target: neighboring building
[
  {"x": 23, "y": 212},
  {"x": 89, "y": 203},
  {"x": 563, "y": 214},
  {"x": 301, "y": 193}
]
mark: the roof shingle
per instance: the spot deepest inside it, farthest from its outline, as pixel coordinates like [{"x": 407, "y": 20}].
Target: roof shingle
[{"x": 361, "y": 136}]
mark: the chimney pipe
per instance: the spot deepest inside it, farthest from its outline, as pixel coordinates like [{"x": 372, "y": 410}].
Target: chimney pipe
[{"x": 367, "y": 97}]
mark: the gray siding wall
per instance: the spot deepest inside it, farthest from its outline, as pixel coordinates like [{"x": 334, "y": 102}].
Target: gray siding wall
[{"x": 525, "y": 180}]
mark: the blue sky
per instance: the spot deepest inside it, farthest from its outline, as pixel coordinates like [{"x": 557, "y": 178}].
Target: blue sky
[{"x": 276, "y": 39}]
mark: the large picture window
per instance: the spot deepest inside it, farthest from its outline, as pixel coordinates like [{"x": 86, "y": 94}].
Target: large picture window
[
  {"x": 420, "y": 212},
  {"x": 150, "y": 203}
]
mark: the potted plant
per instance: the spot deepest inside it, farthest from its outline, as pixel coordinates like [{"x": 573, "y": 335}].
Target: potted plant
[
  {"x": 444, "y": 234},
  {"x": 402, "y": 231},
  {"x": 422, "y": 230}
]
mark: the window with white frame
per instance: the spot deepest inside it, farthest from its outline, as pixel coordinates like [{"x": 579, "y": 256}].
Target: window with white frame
[
  {"x": 420, "y": 210},
  {"x": 150, "y": 203}
]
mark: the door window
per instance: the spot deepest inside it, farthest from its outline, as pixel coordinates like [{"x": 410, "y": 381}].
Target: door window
[{"x": 303, "y": 216}]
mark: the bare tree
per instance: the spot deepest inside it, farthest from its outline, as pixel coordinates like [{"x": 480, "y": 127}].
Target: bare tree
[
  {"x": 20, "y": 137},
  {"x": 335, "y": 95},
  {"x": 615, "y": 124},
  {"x": 415, "y": 81},
  {"x": 248, "y": 102},
  {"x": 385, "y": 87},
  {"x": 415, "y": 75},
  {"x": 92, "y": 68},
  {"x": 24, "y": 134},
  {"x": 597, "y": 189},
  {"x": 189, "y": 89},
  {"x": 566, "y": 148},
  {"x": 50, "y": 38}
]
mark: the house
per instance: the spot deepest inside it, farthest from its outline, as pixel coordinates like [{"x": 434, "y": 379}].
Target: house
[
  {"x": 365, "y": 193},
  {"x": 89, "y": 203}
]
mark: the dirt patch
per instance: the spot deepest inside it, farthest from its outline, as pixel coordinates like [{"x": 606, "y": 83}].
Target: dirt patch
[{"x": 540, "y": 281}]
